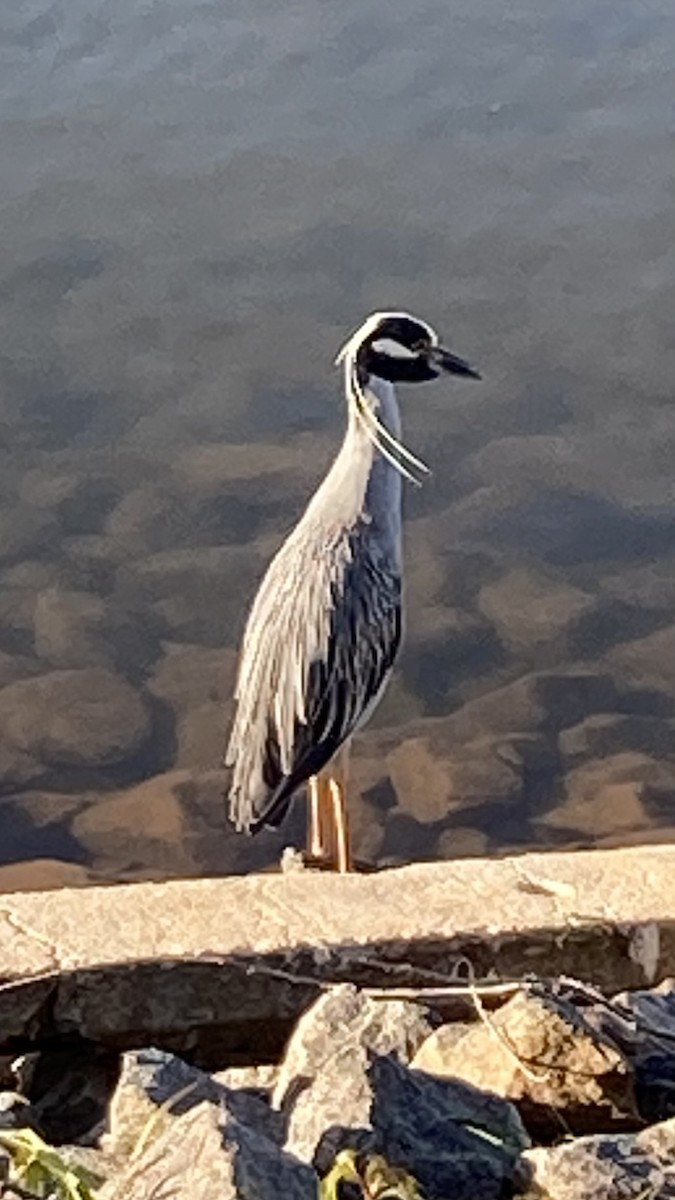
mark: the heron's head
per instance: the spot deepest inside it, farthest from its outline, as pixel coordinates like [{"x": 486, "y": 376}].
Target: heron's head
[
  {"x": 398, "y": 348},
  {"x": 401, "y": 349}
]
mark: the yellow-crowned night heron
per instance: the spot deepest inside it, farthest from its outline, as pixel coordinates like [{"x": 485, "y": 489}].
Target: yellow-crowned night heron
[{"x": 325, "y": 626}]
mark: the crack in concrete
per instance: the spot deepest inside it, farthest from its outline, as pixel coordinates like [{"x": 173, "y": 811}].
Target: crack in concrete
[{"x": 33, "y": 934}]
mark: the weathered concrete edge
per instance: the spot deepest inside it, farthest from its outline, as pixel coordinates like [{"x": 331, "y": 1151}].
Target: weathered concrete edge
[
  {"x": 483, "y": 898},
  {"x": 164, "y": 960}
]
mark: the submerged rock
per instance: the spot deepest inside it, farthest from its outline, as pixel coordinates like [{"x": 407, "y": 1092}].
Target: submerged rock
[{"x": 84, "y": 718}]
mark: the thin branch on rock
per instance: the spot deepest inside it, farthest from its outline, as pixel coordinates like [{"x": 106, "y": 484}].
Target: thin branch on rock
[{"x": 489, "y": 991}]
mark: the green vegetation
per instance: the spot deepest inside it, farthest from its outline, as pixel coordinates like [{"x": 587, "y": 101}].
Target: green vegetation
[
  {"x": 37, "y": 1170},
  {"x": 355, "y": 1176}
]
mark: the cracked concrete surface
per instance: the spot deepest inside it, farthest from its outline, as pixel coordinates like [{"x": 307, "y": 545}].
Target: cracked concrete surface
[{"x": 182, "y": 958}]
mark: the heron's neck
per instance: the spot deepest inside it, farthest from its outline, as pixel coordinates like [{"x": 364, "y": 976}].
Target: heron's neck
[
  {"x": 381, "y": 475},
  {"x": 362, "y": 489},
  {"x": 381, "y": 397},
  {"x": 382, "y": 496}
]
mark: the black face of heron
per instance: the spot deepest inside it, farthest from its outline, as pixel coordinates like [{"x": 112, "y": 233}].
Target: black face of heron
[{"x": 403, "y": 350}]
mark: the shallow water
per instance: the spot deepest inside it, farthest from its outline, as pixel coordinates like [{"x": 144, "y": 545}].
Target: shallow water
[{"x": 197, "y": 203}]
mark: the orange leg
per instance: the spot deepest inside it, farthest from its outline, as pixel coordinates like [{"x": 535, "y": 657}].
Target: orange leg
[
  {"x": 314, "y": 843},
  {"x": 343, "y": 858},
  {"x": 319, "y": 820},
  {"x": 328, "y": 832}
]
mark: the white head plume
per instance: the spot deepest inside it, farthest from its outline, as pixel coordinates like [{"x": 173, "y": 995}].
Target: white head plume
[{"x": 347, "y": 357}]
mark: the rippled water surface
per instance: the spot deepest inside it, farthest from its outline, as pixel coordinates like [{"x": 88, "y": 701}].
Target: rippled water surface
[{"x": 198, "y": 200}]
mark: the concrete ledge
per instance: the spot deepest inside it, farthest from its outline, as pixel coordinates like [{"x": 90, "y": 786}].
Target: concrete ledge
[{"x": 226, "y": 965}]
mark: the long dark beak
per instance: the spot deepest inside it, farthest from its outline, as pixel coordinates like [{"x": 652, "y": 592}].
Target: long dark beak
[{"x": 451, "y": 363}]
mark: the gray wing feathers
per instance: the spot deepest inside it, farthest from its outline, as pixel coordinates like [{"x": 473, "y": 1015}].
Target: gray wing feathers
[
  {"x": 364, "y": 639},
  {"x": 321, "y": 636}
]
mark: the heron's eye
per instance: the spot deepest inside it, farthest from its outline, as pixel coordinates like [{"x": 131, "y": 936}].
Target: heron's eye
[{"x": 418, "y": 347}]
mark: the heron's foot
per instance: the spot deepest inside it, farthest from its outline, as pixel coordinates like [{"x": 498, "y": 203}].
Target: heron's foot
[
  {"x": 325, "y": 862},
  {"x": 318, "y": 862},
  {"x": 293, "y": 860}
]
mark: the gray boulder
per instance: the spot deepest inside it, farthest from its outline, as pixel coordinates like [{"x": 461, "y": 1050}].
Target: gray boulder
[
  {"x": 207, "y": 1155},
  {"x": 624, "y": 1167},
  {"x": 344, "y": 1083},
  {"x": 323, "y": 1079},
  {"x": 540, "y": 1052},
  {"x": 456, "y": 1140},
  {"x": 156, "y": 1088}
]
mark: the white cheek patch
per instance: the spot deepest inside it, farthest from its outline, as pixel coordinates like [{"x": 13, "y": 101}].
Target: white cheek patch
[{"x": 392, "y": 349}]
